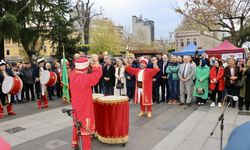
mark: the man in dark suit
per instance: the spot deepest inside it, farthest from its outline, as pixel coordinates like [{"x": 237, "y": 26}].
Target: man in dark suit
[
  {"x": 130, "y": 80},
  {"x": 109, "y": 78},
  {"x": 156, "y": 82},
  {"x": 163, "y": 79}
]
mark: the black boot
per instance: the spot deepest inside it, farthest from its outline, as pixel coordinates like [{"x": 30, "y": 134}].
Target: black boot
[
  {"x": 247, "y": 103},
  {"x": 240, "y": 103}
]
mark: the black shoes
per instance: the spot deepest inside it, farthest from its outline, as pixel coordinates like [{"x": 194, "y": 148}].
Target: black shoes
[{"x": 181, "y": 104}]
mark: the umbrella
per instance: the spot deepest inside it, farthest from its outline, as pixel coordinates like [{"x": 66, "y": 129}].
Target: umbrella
[
  {"x": 239, "y": 138},
  {"x": 4, "y": 145}
]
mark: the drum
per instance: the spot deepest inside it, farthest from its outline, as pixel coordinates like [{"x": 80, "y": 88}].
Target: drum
[
  {"x": 12, "y": 85},
  {"x": 112, "y": 119},
  {"x": 97, "y": 95},
  {"x": 48, "y": 78}
]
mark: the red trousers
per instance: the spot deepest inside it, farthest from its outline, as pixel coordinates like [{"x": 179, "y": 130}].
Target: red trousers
[
  {"x": 143, "y": 107},
  {"x": 9, "y": 108},
  {"x": 86, "y": 140}
]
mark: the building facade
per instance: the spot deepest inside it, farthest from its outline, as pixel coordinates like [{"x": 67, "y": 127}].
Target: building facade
[
  {"x": 143, "y": 30},
  {"x": 14, "y": 51},
  {"x": 201, "y": 40}
]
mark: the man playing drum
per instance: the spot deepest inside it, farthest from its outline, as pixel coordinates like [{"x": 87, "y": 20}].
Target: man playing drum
[
  {"x": 5, "y": 100},
  {"x": 81, "y": 81},
  {"x": 40, "y": 88},
  {"x": 143, "y": 89}
]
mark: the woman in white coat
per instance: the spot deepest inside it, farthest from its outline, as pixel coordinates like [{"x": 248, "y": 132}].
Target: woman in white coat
[{"x": 120, "y": 80}]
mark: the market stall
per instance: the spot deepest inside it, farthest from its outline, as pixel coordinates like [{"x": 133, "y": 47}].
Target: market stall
[
  {"x": 189, "y": 50},
  {"x": 226, "y": 50}
]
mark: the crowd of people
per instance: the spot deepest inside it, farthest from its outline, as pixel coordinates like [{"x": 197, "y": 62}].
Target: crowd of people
[
  {"x": 179, "y": 81},
  {"x": 182, "y": 80}
]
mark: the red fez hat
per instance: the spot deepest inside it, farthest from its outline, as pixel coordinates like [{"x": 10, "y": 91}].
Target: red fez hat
[
  {"x": 143, "y": 60},
  {"x": 81, "y": 63}
]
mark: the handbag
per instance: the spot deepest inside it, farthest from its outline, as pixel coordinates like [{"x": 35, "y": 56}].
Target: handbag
[
  {"x": 200, "y": 91},
  {"x": 240, "y": 83},
  {"x": 119, "y": 85}
]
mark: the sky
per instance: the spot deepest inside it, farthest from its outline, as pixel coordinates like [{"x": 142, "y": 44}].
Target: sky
[{"x": 160, "y": 11}]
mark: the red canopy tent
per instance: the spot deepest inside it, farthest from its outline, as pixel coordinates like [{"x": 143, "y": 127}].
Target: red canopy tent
[{"x": 224, "y": 48}]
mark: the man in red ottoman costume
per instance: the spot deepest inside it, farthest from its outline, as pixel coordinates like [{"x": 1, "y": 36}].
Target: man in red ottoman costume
[
  {"x": 4, "y": 98},
  {"x": 40, "y": 88},
  {"x": 143, "y": 88},
  {"x": 81, "y": 81}
]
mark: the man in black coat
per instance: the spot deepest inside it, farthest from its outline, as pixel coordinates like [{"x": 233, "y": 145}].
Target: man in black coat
[
  {"x": 156, "y": 82},
  {"x": 28, "y": 80},
  {"x": 109, "y": 78},
  {"x": 130, "y": 80},
  {"x": 163, "y": 78}
]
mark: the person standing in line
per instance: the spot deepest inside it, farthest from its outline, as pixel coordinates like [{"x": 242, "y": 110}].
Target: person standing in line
[
  {"x": 246, "y": 74},
  {"x": 201, "y": 83},
  {"x": 186, "y": 74},
  {"x": 57, "y": 69},
  {"x": 156, "y": 82},
  {"x": 241, "y": 79},
  {"x": 217, "y": 82},
  {"x": 163, "y": 79},
  {"x": 232, "y": 72},
  {"x": 28, "y": 80},
  {"x": 143, "y": 89},
  {"x": 130, "y": 80},
  {"x": 173, "y": 79},
  {"x": 109, "y": 77},
  {"x": 120, "y": 81}
]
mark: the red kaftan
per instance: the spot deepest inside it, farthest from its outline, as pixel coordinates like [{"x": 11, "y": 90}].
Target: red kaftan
[
  {"x": 81, "y": 96},
  {"x": 147, "y": 80}
]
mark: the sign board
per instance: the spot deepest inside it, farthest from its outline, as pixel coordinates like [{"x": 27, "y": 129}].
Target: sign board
[{"x": 235, "y": 55}]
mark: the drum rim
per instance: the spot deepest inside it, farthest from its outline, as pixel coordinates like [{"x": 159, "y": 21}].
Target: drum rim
[{"x": 112, "y": 102}]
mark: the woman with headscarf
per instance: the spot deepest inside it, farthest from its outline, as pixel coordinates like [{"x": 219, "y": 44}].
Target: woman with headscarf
[
  {"x": 201, "y": 83},
  {"x": 217, "y": 83},
  {"x": 232, "y": 76}
]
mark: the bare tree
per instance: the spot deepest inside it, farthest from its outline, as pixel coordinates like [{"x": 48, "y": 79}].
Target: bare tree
[
  {"x": 84, "y": 16},
  {"x": 228, "y": 16}
]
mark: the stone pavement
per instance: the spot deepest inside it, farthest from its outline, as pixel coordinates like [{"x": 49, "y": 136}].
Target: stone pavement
[
  {"x": 194, "y": 132},
  {"x": 170, "y": 128}
]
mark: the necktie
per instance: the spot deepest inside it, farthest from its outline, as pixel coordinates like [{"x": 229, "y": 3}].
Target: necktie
[{"x": 183, "y": 73}]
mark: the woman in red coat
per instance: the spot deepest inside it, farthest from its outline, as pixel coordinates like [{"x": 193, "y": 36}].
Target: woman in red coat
[{"x": 217, "y": 83}]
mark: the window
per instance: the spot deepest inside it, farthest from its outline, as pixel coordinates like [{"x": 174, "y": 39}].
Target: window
[
  {"x": 182, "y": 42},
  {"x": 188, "y": 41},
  {"x": 7, "y": 52},
  {"x": 176, "y": 43},
  {"x": 194, "y": 41}
]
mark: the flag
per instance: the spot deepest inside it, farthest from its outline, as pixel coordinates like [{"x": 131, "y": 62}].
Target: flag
[{"x": 65, "y": 81}]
